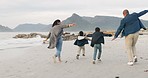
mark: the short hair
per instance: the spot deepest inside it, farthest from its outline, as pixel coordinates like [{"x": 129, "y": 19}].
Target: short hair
[
  {"x": 97, "y": 29},
  {"x": 126, "y": 11},
  {"x": 81, "y": 33}
]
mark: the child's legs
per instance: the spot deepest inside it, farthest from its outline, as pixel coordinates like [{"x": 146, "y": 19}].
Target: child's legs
[
  {"x": 95, "y": 52},
  {"x": 79, "y": 50},
  {"x": 83, "y": 49},
  {"x": 100, "y": 50}
]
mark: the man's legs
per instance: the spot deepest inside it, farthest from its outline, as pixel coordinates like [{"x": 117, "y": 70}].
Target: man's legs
[
  {"x": 134, "y": 43},
  {"x": 136, "y": 35},
  {"x": 129, "y": 43}
]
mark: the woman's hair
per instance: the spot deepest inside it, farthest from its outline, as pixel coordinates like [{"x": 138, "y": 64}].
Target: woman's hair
[
  {"x": 97, "y": 29},
  {"x": 56, "y": 22},
  {"x": 81, "y": 33}
]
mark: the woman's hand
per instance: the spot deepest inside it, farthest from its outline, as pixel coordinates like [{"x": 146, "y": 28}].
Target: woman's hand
[
  {"x": 44, "y": 41},
  {"x": 70, "y": 25}
]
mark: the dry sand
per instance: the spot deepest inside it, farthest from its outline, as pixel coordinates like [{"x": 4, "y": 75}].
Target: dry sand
[{"x": 37, "y": 62}]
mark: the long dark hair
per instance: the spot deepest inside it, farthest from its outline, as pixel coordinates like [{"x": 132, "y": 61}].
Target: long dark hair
[{"x": 56, "y": 22}]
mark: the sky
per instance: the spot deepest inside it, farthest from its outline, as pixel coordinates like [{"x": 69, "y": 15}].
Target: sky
[{"x": 15, "y": 12}]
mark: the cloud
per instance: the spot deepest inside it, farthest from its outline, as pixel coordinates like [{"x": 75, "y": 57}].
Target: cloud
[{"x": 43, "y": 11}]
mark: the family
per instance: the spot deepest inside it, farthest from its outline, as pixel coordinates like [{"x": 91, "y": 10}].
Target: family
[{"x": 129, "y": 27}]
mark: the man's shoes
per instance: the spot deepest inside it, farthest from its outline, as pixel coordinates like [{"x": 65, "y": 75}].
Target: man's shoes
[
  {"x": 135, "y": 59},
  {"x": 83, "y": 54},
  {"x": 130, "y": 63}
]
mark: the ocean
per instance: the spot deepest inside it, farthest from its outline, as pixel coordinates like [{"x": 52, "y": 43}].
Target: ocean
[{"x": 8, "y": 42}]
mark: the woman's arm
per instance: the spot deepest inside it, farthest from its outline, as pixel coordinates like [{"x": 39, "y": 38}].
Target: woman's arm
[
  {"x": 68, "y": 25},
  {"x": 47, "y": 37}
]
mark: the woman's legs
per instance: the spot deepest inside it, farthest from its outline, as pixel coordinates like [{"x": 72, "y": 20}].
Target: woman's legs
[{"x": 59, "y": 48}]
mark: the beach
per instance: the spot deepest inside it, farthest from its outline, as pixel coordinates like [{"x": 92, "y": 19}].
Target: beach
[{"x": 35, "y": 61}]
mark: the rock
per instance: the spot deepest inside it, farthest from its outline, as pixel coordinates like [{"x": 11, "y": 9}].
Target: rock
[
  {"x": 66, "y": 36},
  {"x": 69, "y": 37},
  {"x": 31, "y": 35}
]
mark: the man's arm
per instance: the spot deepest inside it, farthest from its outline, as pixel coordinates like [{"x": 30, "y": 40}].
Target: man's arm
[
  {"x": 142, "y": 13},
  {"x": 119, "y": 29}
]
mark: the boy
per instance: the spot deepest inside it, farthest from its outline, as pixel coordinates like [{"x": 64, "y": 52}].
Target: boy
[
  {"x": 80, "y": 42},
  {"x": 97, "y": 39}
]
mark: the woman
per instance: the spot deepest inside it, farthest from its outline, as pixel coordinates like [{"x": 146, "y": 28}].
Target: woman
[{"x": 55, "y": 38}]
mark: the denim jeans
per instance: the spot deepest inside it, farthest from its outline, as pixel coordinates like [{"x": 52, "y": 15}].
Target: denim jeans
[
  {"x": 59, "y": 47},
  {"x": 97, "y": 47}
]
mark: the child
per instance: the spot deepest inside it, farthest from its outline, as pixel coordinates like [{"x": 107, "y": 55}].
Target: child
[
  {"x": 80, "y": 42},
  {"x": 97, "y": 39}
]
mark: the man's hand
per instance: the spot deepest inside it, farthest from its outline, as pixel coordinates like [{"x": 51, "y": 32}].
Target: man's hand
[{"x": 113, "y": 39}]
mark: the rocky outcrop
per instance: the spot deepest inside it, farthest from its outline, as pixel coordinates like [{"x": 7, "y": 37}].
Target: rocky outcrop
[
  {"x": 31, "y": 35},
  {"x": 66, "y": 36},
  {"x": 69, "y": 37}
]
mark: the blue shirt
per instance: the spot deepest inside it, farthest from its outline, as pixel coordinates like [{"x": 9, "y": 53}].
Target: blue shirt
[{"x": 130, "y": 24}]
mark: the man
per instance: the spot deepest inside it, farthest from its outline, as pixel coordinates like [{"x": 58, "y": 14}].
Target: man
[{"x": 129, "y": 26}]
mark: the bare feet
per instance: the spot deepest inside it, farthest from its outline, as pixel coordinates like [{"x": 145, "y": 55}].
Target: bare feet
[{"x": 60, "y": 60}]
